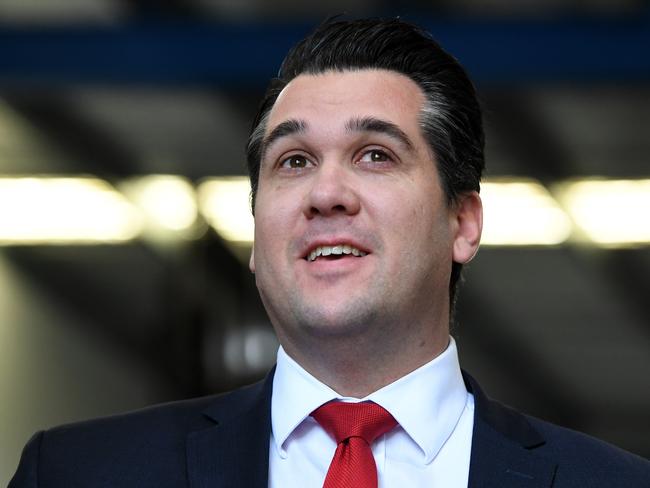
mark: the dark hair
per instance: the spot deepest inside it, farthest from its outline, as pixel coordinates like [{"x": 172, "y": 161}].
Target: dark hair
[{"x": 450, "y": 118}]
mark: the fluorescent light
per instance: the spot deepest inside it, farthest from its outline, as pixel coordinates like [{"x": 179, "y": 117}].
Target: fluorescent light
[
  {"x": 610, "y": 213},
  {"x": 42, "y": 210},
  {"x": 521, "y": 213},
  {"x": 52, "y": 210},
  {"x": 167, "y": 202},
  {"x": 225, "y": 204}
]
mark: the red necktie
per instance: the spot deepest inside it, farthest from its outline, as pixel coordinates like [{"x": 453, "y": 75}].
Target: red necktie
[{"x": 354, "y": 426}]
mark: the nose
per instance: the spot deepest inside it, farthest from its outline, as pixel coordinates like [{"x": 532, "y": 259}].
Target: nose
[{"x": 332, "y": 192}]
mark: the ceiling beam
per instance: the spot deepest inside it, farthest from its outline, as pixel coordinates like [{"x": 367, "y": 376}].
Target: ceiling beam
[
  {"x": 503, "y": 52},
  {"x": 169, "y": 9},
  {"x": 89, "y": 147}
]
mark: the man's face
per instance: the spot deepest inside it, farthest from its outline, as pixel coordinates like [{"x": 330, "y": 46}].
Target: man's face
[{"x": 352, "y": 230}]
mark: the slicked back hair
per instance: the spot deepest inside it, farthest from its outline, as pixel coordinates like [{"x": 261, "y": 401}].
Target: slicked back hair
[{"x": 450, "y": 118}]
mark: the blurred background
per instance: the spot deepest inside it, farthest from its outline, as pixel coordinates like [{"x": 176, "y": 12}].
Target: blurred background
[{"x": 124, "y": 223}]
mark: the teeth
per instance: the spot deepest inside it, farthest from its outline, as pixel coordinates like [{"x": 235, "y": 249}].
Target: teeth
[{"x": 337, "y": 250}]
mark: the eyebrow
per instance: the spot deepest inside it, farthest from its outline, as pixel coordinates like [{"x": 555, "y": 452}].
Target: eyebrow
[
  {"x": 360, "y": 124},
  {"x": 373, "y": 124},
  {"x": 283, "y": 129}
]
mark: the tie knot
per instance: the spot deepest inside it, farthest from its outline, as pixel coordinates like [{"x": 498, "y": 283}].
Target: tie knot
[{"x": 344, "y": 420}]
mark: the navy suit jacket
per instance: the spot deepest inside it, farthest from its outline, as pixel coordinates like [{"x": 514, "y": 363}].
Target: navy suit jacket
[{"x": 223, "y": 441}]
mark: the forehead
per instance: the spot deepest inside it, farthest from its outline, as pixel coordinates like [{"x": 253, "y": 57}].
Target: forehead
[{"x": 334, "y": 96}]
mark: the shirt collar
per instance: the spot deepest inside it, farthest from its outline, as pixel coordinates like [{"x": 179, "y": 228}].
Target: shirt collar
[
  {"x": 296, "y": 394},
  {"x": 427, "y": 403}
]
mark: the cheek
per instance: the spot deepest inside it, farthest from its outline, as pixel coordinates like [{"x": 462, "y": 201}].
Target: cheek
[
  {"x": 273, "y": 233},
  {"x": 425, "y": 226},
  {"x": 415, "y": 212},
  {"x": 266, "y": 239}
]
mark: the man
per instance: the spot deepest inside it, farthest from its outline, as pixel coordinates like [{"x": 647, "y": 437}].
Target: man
[{"x": 365, "y": 161}]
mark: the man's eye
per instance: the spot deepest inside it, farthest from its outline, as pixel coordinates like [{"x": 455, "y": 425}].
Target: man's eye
[
  {"x": 375, "y": 156},
  {"x": 295, "y": 162}
]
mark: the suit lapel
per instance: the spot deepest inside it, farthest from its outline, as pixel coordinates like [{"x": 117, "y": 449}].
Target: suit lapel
[
  {"x": 503, "y": 447},
  {"x": 235, "y": 450}
]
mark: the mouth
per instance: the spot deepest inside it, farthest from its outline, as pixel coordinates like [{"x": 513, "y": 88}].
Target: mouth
[{"x": 337, "y": 251}]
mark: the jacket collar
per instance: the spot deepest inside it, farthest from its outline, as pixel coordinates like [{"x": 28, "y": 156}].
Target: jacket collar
[
  {"x": 234, "y": 451},
  {"x": 504, "y": 447}
]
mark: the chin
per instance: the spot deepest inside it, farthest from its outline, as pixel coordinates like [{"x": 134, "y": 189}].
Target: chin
[{"x": 344, "y": 321}]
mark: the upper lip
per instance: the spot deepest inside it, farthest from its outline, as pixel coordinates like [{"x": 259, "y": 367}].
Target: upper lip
[{"x": 331, "y": 241}]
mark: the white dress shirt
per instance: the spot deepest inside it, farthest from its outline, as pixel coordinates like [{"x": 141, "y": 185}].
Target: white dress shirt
[{"x": 429, "y": 448}]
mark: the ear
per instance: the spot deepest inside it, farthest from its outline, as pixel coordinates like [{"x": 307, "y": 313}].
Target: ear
[
  {"x": 468, "y": 216},
  {"x": 251, "y": 262}
]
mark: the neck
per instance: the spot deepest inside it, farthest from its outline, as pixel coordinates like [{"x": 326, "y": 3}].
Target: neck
[{"x": 358, "y": 366}]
